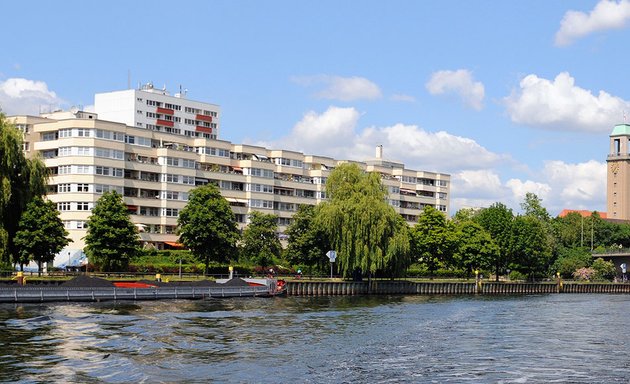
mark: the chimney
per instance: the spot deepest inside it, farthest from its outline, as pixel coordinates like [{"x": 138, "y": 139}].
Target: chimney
[{"x": 379, "y": 151}]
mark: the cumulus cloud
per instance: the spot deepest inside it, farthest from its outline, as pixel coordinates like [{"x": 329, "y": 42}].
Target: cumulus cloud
[
  {"x": 335, "y": 133},
  {"x": 560, "y": 104},
  {"x": 578, "y": 185},
  {"x": 24, "y": 96},
  {"x": 341, "y": 88},
  {"x": 607, "y": 14},
  {"x": 560, "y": 185},
  {"x": 458, "y": 82}
]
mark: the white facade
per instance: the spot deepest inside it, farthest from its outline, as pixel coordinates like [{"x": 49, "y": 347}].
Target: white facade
[{"x": 157, "y": 110}]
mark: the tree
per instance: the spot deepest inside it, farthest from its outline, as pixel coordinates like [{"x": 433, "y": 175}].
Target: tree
[
  {"x": 21, "y": 179},
  {"x": 41, "y": 234},
  {"x": 497, "y": 220},
  {"x": 475, "y": 247},
  {"x": 433, "y": 239},
  {"x": 530, "y": 246},
  {"x": 307, "y": 243},
  {"x": 568, "y": 230},
  {"x": 260, "y": 242},
  {"x": 111, "y": 238},
  {"x": 570, "y": 260},
  {"x": 532, "y": 206},
  {"x": 361, "y": 226},
  {"x": 207, "y": 227}
]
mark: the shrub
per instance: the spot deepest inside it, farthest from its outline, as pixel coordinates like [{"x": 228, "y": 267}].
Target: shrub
[
  {"x": 584, "y": 274},
  {"x": 517, "y": 276},
  {"x": 604, "y": 269}
]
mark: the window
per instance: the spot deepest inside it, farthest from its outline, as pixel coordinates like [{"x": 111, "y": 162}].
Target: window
[
  {"x": 170, "y": 212},
  {"x": 63, "y": 206},
  {"x": 49, "y": 136},
  {"x": 170, "y": 178},
  {"x": 62, "y": 188},
  {"x": 190, "y": 180},
  {"x": 83, "y": 187},
  {"x": 83, "y": 132},
  {"x": 83, "y": 206}
]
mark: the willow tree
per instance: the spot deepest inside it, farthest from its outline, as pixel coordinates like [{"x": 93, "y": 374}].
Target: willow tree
[
  {"x": 21, "y": 179},
  {"x": 367, "y": 233}
]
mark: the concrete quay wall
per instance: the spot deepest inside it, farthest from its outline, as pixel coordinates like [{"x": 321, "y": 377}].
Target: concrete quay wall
[{"x": 382, "y": 287}]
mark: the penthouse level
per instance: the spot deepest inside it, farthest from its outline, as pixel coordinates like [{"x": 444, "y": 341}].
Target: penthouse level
[{"x": 155, "y": 171}]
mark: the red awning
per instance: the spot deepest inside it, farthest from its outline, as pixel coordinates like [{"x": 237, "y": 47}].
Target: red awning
[{"x": 174, "y": 244}]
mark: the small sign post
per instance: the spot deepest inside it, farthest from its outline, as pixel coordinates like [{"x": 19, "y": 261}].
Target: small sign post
[{"x": 332, "y": 255}]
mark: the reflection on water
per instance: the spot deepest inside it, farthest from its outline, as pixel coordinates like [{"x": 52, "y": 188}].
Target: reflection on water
[{"x": 561, "y": 338}]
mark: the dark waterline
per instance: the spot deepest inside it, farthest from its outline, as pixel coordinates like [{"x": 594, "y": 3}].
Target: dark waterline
[{"x": 526, "y": 339}]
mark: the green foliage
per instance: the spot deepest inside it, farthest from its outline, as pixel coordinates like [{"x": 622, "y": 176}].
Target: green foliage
[
  {"x": 366, "y": 232},
  {"x": 41, "y": 234},
  {"x": 475, "y": 247},
  {"x": 497, "y": 220},
  {"x": 260, "y": 242},
  {"x": 307, "y": 241},
  {"x": 433, "y": 239},
  {"x": 517, "y": 276},
  {"x": 111, "y": 239},
  {"x": 530, "y": 246},
  {"x": 569, "y": 230},
  {"x": 570, "y": 260},
  {"x": 21, "y": 179},
  {"x": 604, "y": 269},
  {"x": 464, "y": 214},
  {"x": 207, "y": 226},
  {"x": 532, "y": 206}
]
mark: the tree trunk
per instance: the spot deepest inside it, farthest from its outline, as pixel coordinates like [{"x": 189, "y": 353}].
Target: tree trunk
[{"x": 39, "y": 268}]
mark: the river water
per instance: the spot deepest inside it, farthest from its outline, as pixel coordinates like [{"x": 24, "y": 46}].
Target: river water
[{"x": 351, "y": 339}]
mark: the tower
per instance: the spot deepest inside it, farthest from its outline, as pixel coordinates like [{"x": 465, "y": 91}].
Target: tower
[{"x": 618, "y": 173}]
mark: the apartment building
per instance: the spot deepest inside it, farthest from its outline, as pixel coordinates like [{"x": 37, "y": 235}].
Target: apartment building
[
  {"x": 155, "y": 169},
  {"x": 155, "y": 109}
]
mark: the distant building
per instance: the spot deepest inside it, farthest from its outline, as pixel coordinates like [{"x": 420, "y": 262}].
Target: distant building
[
  {"x": 153, "y": 148},
  {"x": 618, "y": 174},
  {"x": 583, "y": 213}
]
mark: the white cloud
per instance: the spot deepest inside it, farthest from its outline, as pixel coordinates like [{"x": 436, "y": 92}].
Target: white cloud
[
  {"x": 560, "y": 185},
  {"x": 329, "y": 132},
  {"x": 607, "y": 14},
  {"x": 334, "y": 133},
  {"x": 342, "y": 88},
  {"x": 23, "y": 96},
  {"x": 560, "y": 104},
  {"x": 459, "y": 82},
  {"x": 578, "y": 186}
]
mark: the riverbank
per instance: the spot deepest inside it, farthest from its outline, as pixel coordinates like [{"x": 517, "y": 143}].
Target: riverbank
[{"x": 386, "y": 287}]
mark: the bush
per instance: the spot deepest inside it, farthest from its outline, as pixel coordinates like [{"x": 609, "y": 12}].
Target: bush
[
  {"x": 584, "y": 274},
  {"x": 571, "y": 260},
  {"x": 517, "y": 276},
  {"x": 604, "y": 269}
]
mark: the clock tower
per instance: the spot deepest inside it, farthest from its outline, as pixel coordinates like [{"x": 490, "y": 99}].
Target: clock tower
[{"x": 618, "y": 174}]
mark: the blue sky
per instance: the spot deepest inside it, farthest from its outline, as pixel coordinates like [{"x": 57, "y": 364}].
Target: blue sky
[{"x": 508, "y": 97}]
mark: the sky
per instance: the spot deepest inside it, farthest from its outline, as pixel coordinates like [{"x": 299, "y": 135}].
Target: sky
[{"x": 507, "y": 97}]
